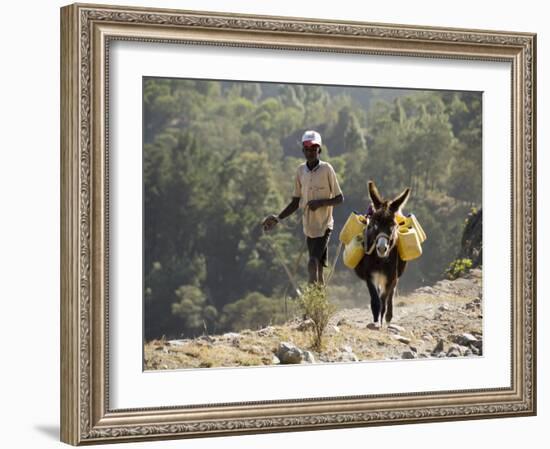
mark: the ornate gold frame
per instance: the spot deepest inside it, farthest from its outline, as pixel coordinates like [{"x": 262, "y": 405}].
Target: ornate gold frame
[{"x": 86, "y": 31}]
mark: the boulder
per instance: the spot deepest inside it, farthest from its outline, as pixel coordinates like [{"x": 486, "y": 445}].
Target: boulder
[
  {"x": 308, "y": 357},
  {"x": 289, "y": 354},
  {"x": 439, "y": 348}
]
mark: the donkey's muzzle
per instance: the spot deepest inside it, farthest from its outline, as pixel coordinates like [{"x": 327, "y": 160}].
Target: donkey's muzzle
[{"x": 382, "y": 246}]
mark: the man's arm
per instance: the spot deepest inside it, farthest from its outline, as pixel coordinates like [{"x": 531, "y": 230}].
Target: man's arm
[
  {"x": 316, "y": 204},
  {"x": 290, "y": 209},
  {"x": 270, "y": 222}
]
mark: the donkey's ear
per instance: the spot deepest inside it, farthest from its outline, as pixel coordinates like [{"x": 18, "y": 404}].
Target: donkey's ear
[
  {"x": 374, "y": 195},
  {"x": 400, "y": 201}
]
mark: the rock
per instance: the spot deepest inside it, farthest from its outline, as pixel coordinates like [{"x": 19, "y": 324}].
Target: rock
[
  {"x": 454, "y": 351},
  {"x": 205, "y": 343},
  {"x": 373, "y": 326},
  {"x": 408, "y": 355},
  {"x": 466, "y": 339},
  {"x": 468, "y": 353},
  {"x": 427, "y": 337},
  {"x": 477, "y": 344},
  {"x": 177, "y": 342},
  {"x": 308, "y": 357},
  {"x": 208, "y": 338},
  {"x": 444, "y": 308},
  {"x": 275, "y": 360},
  {"x": 255, "y": 350},
  {"x": 413, "y": 349},
  {"x": 305, "y": 325},
  {"x": 268, "y": 331},
  {"x": 402, "y": 339},
  {"x": 395, "y": 328},
  {"x": 347, "y": 357},
  {"x": 289, "y": 353},
  {"x": 342, "y": 321},
  {"x": 439, "y": 348},
  {"x": 231, "y": 335},
  {"x": 469, "y": 341}
]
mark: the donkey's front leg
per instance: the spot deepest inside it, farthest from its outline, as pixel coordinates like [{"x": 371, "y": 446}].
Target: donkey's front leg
[
  {"x": 374, "y": 301},
  {"x": 389, "y": 304}
]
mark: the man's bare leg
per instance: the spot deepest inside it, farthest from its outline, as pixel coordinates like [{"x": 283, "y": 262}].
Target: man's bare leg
[
  {"x": 321, "y": 275},
  {"x": 312, "y": 270}
]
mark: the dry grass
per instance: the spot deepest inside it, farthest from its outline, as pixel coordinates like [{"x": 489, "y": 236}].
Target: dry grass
[{"x": 257, "y": 350}]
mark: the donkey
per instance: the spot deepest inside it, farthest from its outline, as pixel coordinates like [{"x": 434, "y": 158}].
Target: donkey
[{"x": 381, "y": 266}]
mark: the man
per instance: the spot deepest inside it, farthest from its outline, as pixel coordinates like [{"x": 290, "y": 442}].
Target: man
[{"x": 316, "y": 192}]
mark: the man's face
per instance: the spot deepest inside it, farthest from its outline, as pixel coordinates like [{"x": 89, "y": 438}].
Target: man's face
[{"x": 312, "y": 152}]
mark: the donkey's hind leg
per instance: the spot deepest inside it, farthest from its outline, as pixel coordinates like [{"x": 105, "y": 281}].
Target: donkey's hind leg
[{"x": 375, "y": 302}]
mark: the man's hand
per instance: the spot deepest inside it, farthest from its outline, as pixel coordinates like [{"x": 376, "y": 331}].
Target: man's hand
[
  {"x": 315, "y": 204},
  {"x": 269, "y": 222}
]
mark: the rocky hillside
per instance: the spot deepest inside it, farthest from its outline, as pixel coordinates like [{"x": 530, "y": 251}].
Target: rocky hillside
[{"x": 444, "y": 320}]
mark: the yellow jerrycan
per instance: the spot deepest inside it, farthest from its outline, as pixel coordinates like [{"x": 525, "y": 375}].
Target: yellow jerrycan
[
  {"x": 417, "y": 227},
  {"x": 354, "y": 251},
  {"x": 410, "y": 237},
  {"x": 354, "y": 225}
]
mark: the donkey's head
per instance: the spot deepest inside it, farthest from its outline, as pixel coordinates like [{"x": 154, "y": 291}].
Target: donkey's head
[{"x": 381, "y": 232}]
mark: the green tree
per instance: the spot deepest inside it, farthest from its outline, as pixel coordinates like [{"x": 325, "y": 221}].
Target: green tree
[
  {"x": 254, "y": 311},
  {"x": 193, "y": 310}
]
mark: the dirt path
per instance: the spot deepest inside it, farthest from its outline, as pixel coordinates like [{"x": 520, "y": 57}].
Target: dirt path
[{"x": 444, "y": 320}]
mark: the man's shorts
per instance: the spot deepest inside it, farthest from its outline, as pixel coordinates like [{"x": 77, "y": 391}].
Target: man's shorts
[{"x": 318, "y": 247}]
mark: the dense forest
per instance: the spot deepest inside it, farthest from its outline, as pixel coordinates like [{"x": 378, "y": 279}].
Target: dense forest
[{"x": 219, "y": 156}]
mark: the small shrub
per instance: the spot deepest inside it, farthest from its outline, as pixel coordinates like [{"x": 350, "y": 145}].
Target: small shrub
[
  {"x": 316, "y": 306},
  {"x": 458, "y": 267}
]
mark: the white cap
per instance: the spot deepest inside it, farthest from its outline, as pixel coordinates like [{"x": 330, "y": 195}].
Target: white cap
[{"x": 311, "y": 138}]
